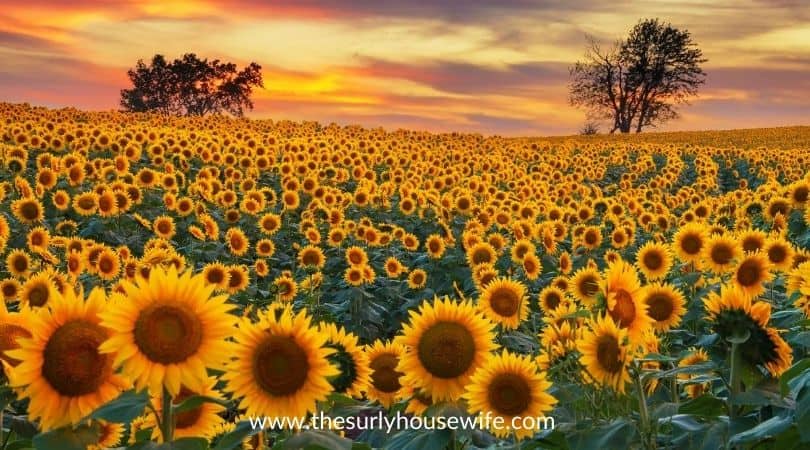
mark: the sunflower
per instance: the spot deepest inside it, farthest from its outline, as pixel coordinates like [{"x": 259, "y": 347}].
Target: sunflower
[
  {"x": 532, "y": 266},
  {"x": 18, "y": 263},
  {"x": 286, "y": 288},
  {"x": 666, "y": 305},
  {"x": 435, "y": 246},
  {"x": 689, "y": 242},
  {"x": 38, "y": 239},
  {"x": 445, "y": 341},
  {"x": 417, "y": 279},
  {"x": 504, "y": 302},
  {"x": 10, "y": 289},
  {"x": 354, "y": 275},
  {"x": 584, "y": 285},
  {"x": 383, "y": 359},
  {"x": 237, "y": 241},
  {"x": 13, "y": 326},
  {"x": 394, "y": 268},
  {"x": 509, "y": 386},
  {"x": 63, "y": 371},
  {"x": 654, "y": 260},
  {"x": 108, "y": 265},
  {"x": 200, "y": 421},
  {"x": 356, "y": 256},
  {"x": 38, "y": 290},
  {"x": 625, "y": 305},
  {"x": 520, "y": 249},
  {"x": 780, "y": 254},
  {"x": 734, "y": 313},
  {"x": 551, "y": 297},
  {"x": 481, "y": 253},
  {"x": 163, "y": 226},
  {"x": 311, "y": 256},
  {"x": 265, "y": 248},
  {"x": 694, "y": 390},
  {"x": 721, "y": 253},
  {"x": 751, "y": 273},
  {"x": 167, "y": 330},
  {"x": 752, "y": 241},
  {"x": 269, "y": 223},
  {"x": 238, "y": 278},
  {"x": 280, "y": 366},
  {"x": 110, "y": 434},
  {"x": 85, "y": 204},
  {"x": 604, "y": 353},
  {"x": 349, "y": 358},
  {"x": 28, "y": 210},
  {"x": 418, "y": 401}
]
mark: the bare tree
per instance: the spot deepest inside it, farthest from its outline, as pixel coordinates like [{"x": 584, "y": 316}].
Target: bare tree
[
  {"x": 638, "y": 82},
  {"x": 589, "y": 128}
]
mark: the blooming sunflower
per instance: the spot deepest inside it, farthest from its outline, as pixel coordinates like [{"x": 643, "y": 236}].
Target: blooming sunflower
[
  {"x": 63, "y": 372},
  {"x": 654, "y": 260},
  {"x": 349, "y": 358},
  {"x": 604, "y": 353},
  {"x": 280, "y": 366},
  {"x": 665, "y": 305},
  {"x": 720, "y": 253},
  {"x": 383, "y": 359},
  {"x": 751, "y": 273},
  {"x": 38, "y": 290},
  {"x": 510, "y": 386},
  {"x": 584, "y": 285},
  {"x": 13, "y": 326},
  {"x": 446, "y": 341},
  {"x": 168, "y": 329},
  {"x": 625, "y": 304},
  {"x": 694, "y": 390},
  {"x": 417, "y": 279},
  {"x": 28, "y": 210},
  {"x": 504, "y": 302},
  {"x": 689, "y": 241},
  {"x": 311, "y": 255}
]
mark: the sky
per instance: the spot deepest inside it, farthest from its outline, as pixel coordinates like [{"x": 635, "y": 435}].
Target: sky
[{"x": 494, "y": 67}]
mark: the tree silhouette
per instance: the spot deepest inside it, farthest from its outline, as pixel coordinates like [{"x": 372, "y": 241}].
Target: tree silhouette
[
  {"x": 190, "y": 86},
  {"x": 639, "y": 81}
]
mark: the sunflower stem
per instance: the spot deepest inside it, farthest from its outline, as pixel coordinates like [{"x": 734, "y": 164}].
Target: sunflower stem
[
  {"x": 734, "y": 380},
  {"x": 167, "y": 421},
  {"x": 644, "y": 416}
]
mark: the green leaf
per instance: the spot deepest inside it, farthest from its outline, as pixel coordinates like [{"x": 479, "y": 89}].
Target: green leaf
[
  {"x": 685, "y": 422},
  {"x": 419, "y": 440},
  {"x": 123, "y": 409},
  {"x": 795, "y": 370},
  {"x": 234, "y": 439},
  {"x": 189, "y": 443},
  {"x": 765, "y": 430},
  {"x": 196, "y": 401},
  {"x": 311, "y": 440},
  {"x": 706, "y": 406},
  {"x": 68, "y": 438}
]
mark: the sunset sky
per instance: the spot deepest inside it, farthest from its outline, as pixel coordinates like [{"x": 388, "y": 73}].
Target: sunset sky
[{"x": 495, "y": 67}]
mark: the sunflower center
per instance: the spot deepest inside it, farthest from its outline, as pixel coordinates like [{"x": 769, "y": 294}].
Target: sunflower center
[
  {"x": 384, "y": 376},
  {"x": 624, "y": 310},
  {"x": 105, "y": 265},
  {"x": 509, "y": 394},
  {"x": 29, "y": 210},
  {"x": 215, "y": 276},
  {"x": 505, "y": 302},
  {"x": 691, "y": 244},
  {"x": 72, "y": 364},
  {"x": 608, "y": 354},
  {"x": 660, "y": 307},
  {"x": 553, "y": 300},
  {"x": 721, "y": 254},
  {"x": 167, "y": 334},
  {"x": 190, "y": 417},
  {"x": 280, "y": 366},
  {"x": 9, "y": 333},
  {"x": 801, "y": 194},
  {"x": 38, "y": 295},
  {"x": 447, "y": 349},
  {"x": 748, "y": 273},
  {"x": 589, "y": 286},
  {"x": 653, "y": 260},
  {"x": 777, "y": 254}
]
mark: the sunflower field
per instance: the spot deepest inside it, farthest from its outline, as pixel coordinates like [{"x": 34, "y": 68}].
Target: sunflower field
[{"x": 169, "y": 281}]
